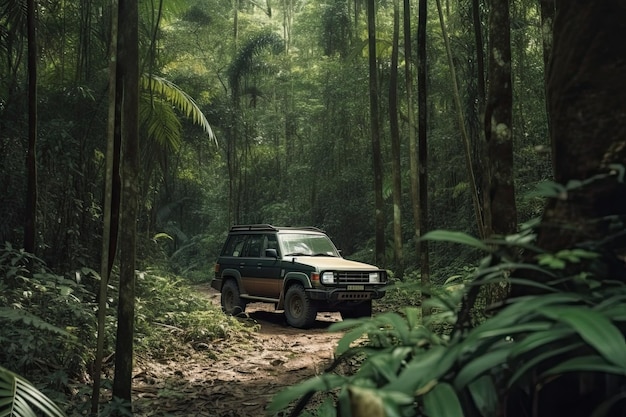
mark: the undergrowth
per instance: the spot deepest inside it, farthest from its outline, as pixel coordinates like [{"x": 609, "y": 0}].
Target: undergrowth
[{"x": 48, "y": 323}]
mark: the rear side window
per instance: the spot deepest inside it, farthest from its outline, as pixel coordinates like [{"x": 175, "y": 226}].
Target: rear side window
[
  {"x": 234, "y": 245},
  {"x": 254, "y": 246}
]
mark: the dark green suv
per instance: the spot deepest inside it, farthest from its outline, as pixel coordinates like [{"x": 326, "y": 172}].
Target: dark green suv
[{"x": 299, "y": 270}]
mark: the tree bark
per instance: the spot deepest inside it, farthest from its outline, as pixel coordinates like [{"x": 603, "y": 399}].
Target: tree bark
[
  {"x": 463, "y": 131},
  {"x": 395, "y": 145},
  {"x": 422, "y": 107},
  {"x": 588, "y": 117},
  {"x": 413, "y": 156},
  {"x": 128, "y": 77},
  {"x": 375, "y": 132},
  {"x": 30, "y": 231},
  {"x": 500, "y": 210}
]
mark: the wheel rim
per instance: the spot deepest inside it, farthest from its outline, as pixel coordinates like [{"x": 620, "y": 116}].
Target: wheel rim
[
  {"x": 228, "y": 300},
  {"x": 296, "y": 306}
]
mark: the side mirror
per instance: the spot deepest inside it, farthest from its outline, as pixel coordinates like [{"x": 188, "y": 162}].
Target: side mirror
[{"x": 271, "y": 253}]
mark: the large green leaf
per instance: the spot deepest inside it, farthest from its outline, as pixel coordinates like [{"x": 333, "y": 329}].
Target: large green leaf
[
  {"x": 589, "y": 363},
  {"x": 530, "y": 364},
  {"x": 170, "y": 92},
  {"x": 18, "y": 397},
  {"x": 595, "y": 329},
  {"x": 456, "y": 237},
  {"x": 425, "y": 368},
  {"x": 485, "y": 395},
  {"x": 324, "y": 382},
  {"x": 442, "y": 401},
  {"x": 491, "y": 360}
]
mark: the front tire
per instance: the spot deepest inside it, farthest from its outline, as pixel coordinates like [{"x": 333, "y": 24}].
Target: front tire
[
  {"x": 300, "y": 310},
  {"x": 231, "y": 301}
]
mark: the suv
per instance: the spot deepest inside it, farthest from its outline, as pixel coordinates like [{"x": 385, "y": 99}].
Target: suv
[{"x": 299, "y": 270}]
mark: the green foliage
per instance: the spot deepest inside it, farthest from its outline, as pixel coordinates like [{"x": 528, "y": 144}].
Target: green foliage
[
  {"x": 18, "y": 397},
  {"x": 171, "y": 314},
  {"x": 573, "y": 326},
  {"x": 48, "y": 320}
]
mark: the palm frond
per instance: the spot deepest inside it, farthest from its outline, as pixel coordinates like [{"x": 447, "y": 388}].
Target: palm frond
[
  {"x": 18, "y": 397},
  {"x": 160, "y": 122},
  {"x": 173, "y": 94},
  {"x": 242, "y": 65}
]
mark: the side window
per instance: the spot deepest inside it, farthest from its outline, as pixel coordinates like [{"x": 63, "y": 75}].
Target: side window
[
  {"x": 253, "y": 246},
  {"x": 234, "y": 245},
  {"x": 272, "y": 243}
]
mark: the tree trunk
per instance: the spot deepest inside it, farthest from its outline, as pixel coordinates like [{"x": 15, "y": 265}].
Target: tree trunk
[
  {"x": 110, "y": 220},
  {"x": 30, "y": 230},
  {"x": 375, "y": 132},
  {"x": 588, "y": 115},
  {"x": 500, "y": 214},
  {"x": 461, "y": 122},
  {"x": 547, "y": 20},
  {"x": 588, "y": 118},
  {"x": 128, "y": 77},
  {"x": 395, "y": 145},
  {"x": 413, "y": 157},
  {"x": 422, "y": 108}
]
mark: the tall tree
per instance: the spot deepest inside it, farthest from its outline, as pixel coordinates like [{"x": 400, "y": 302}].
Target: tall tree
[
  {"x": 422, "y": 108},
  {"x": 461, "y": 123},
  {"x": 585, "y": 78},
  {"x": 30, "y": 230},
  {"x": 548, "y": 8},
  {"x": 375, "y": 133},
  {"x": 128, "y": 79},
  {"x": 499, "y": 210},
  {"x": 413, "y": 157},
  {"x": 585, "y": 94},
  {"x": 499, "y": 200},
  {"x": 395, "y": 144},
  {"x": 111, "y": 205}
]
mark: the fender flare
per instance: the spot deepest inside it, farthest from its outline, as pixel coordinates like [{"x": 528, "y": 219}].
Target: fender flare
[
  {"x": 290, "y": 279},
  {"x": 231, "y": 273}
]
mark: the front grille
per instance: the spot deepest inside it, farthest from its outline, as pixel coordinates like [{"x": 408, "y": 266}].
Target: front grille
[{"x": 352, "y": 277}]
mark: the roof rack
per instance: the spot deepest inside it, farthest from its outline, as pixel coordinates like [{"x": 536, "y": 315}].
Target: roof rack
[
  {"x": 239, "y": 227},
  {"x": 269, "y": 227}
]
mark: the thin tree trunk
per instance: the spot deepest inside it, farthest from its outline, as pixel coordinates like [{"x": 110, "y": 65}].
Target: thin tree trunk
[
  {"x": 30, "y": 230},
  {"x": 548, "y": 9},
  {"x": 422, "y": 107},
  {"x": 128, "y": 76},
  {"x": 110, "y": 224},
  {"x": 463, "y": 130},
  {"x": 413, "y": 157},
  {"x": 375, "y": 132},
  {"x": 395, "y": 144},
  {"x": 500, "y": 213}
]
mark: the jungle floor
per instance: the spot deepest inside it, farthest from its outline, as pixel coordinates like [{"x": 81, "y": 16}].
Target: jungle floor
[{"x": 235, "y": 377}]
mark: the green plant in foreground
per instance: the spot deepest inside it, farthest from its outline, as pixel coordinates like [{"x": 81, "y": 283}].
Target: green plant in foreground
[
  {"x": 507, "y": 365},
  {"x": 18, "y": 397}
]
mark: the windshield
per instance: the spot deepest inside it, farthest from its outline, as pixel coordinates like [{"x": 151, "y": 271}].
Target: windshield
[{"x": 307, "y": 245}]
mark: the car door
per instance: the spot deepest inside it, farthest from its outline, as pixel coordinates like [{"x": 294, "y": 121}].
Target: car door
[{"x": 259, "y": 273}]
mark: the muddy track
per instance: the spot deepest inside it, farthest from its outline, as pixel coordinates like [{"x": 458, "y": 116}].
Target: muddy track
[{"x": 236, "y": 378}]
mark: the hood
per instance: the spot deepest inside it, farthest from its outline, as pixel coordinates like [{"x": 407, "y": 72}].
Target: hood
[{"x": 331, "y": 263}]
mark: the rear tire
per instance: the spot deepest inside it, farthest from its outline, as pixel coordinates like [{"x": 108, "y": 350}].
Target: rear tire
[
  {"x": 231, "y": 301},
  {"x": 300, "y": 310},
  {"x": 363, "y": 309}
]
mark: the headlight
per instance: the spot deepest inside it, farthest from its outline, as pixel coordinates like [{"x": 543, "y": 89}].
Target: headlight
[
  {"x": 374, "y": 277},
  {"x": 328, "y": 278}
]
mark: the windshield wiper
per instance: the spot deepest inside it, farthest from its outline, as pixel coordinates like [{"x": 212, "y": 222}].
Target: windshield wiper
[{"x": 297, "y": 254}]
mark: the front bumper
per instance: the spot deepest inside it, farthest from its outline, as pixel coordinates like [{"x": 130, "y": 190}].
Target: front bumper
[{"x": 342, "y": 294}]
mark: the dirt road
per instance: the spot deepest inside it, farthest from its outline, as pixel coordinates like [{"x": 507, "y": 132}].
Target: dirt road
[{"x": 234, "y": 379}]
